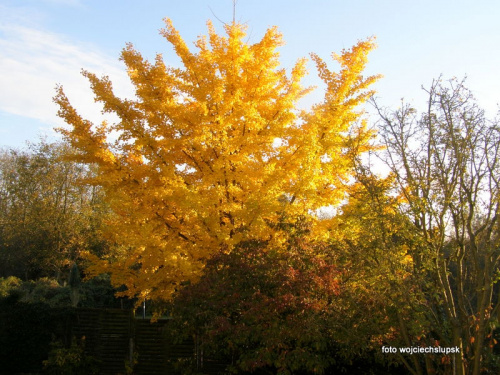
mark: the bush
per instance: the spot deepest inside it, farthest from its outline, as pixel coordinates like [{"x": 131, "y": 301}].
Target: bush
[
  {"x": 70, "y": 361},
  {"x": 264, "y": 308},
  {"x": 9, "y": 285}
]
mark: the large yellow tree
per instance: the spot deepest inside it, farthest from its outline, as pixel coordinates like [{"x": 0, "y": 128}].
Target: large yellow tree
[{"x": 216, "y": 152}]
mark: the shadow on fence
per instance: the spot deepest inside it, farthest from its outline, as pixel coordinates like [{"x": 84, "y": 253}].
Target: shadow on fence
[
  {"x": 112, "y": 339},
  {"x": 117, "y": 339}
]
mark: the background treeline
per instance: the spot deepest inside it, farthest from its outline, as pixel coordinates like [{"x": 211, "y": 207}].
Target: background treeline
[
  {"x": 409, "y": 259},
  {"x": 47, "y": 219}
]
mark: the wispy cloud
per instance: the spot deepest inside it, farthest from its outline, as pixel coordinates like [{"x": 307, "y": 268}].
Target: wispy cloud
[{"x": 35, "y": 60}]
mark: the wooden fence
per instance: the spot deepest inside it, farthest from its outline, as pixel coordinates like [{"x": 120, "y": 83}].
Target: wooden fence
[{"x": 115, "y": 337}]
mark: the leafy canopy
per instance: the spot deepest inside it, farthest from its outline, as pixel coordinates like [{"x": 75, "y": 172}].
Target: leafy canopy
[{"x": 215, "y": 152}]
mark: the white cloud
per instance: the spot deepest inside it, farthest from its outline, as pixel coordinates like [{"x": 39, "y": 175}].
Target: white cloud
[{"x": 34, "y": 61}]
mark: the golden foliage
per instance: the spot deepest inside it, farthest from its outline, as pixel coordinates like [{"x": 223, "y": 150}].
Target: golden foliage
[{"x": 215, "y": 152}]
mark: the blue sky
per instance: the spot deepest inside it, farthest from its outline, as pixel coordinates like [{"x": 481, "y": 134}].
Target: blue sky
[{"x": 48, "y": 42}]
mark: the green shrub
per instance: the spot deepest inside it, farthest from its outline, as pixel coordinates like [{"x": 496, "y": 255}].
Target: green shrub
[
  {"x": 8, "y": 285},
  {"x": 70, "y": 361}
]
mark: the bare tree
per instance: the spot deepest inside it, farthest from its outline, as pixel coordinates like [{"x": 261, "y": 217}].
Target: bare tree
[{"x": 447, "y": 167}]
